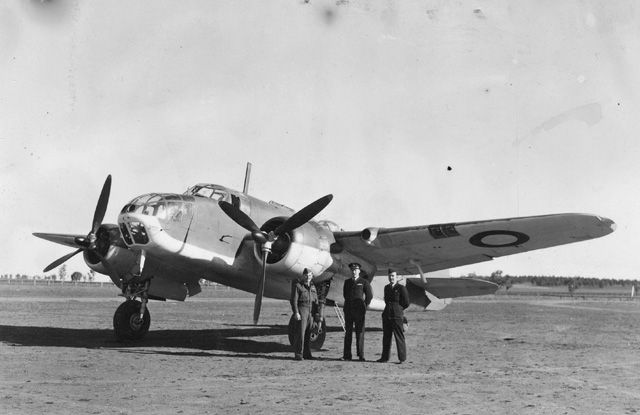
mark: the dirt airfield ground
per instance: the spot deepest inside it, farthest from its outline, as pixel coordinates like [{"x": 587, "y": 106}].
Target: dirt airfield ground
[{"x": 487, "y": 355}]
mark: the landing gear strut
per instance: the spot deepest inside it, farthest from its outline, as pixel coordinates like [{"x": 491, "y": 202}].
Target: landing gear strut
[{"x": 132, "y": 319}]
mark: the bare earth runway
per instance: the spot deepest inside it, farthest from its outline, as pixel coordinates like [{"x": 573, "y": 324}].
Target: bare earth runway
[{"x": 485, "y": 355}]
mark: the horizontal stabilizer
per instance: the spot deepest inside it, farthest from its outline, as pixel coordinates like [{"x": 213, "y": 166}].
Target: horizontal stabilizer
[
  {"x": 437, "y": 293},
  {"x": 435, "y": 303},
  {"x": 455, "y": 287}
]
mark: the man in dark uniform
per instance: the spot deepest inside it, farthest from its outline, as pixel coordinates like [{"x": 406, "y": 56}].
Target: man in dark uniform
[
  {"x": 396, "y": 300},
  {"x": 304, "y": 301},
  {"x": 357, "y": 296}
]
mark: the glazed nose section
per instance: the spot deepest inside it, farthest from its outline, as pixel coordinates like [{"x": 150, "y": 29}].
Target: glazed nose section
[
  {"x": 134, "y": 232},
  {"x": 134, "y": 228}
]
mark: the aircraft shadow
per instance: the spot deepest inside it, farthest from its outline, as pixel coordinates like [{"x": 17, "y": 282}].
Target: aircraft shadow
[{"x": 236, "y": 340}]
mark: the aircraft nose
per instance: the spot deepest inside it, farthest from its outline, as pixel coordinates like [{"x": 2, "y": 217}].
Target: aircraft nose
[{"x": 134, "y": 228}]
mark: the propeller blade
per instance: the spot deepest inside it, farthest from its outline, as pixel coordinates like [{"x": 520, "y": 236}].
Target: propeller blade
[
  {"x": 257, "y": 305},
  {"x": 101, "y": 207},
  {"x": 82, "y": 242},
  {"x": 60, "y": 260},
  {"x": 239, "y": 217},
  {"x": 60, "y": 238},
  {"x": 304, "y": 215}
]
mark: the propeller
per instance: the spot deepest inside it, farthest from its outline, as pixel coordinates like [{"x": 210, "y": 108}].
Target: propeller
[
  {"x": 88, "y": 242},
  {"x": 267, "y": 239}
]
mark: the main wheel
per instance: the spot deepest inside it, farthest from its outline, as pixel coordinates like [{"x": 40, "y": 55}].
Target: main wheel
[
  {"x": 127, "y": 324},
  {"x": 318, "y": 333}
]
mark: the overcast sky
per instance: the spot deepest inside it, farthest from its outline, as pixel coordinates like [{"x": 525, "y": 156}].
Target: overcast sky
[{"x": 533, "y": 105}]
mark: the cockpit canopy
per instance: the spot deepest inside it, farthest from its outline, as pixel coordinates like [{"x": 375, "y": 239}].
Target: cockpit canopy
[
  {"x": 162, "y": 205},
  {"x": 211, "y": 191},
  {"x": 217, "y": 193},
  {"x": 168, "y": 208}
]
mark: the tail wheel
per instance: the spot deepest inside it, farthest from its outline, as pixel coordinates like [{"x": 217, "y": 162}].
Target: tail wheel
[
  {"x": 318, "y": 333},
  {"x": 127, "y": 324}
]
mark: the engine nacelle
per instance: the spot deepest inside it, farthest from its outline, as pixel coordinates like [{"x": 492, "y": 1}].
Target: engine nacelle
[
  {"x": 110, "y": 245},
  {"x": 305, "y": 247},
  {"x": 369, "y": 234}
]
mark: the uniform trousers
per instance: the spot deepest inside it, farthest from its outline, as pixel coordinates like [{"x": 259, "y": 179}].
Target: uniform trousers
[
  {"x": 393, "y": 326},
  {"x": 302, "y": 339},
  {"x": 351, "y": 320}
]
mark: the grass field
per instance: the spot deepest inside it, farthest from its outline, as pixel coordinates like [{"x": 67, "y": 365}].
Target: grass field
[
  {"x": 30, "y": 287},
  {"x": 501, "y": 354}
]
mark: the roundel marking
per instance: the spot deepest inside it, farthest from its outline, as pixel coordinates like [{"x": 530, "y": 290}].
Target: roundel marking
[{"x": 478, "y": 238}]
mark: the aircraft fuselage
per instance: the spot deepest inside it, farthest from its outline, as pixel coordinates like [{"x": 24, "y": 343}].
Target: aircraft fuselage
[{"x": 195, "y": 239}]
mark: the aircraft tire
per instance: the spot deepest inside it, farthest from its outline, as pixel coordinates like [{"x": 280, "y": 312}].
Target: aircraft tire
[
  {"x": 317, "y": 336},
  {"x": 125, "y": 324}
]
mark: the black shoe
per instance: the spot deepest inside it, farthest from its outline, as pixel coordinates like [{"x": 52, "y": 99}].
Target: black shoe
[
  {"x": 361, "y": 359},
  {"x": 382, "y": 360},
  {"x": 346, "y": 359},
  {"x": 309, "y": 357},
  {"x": 298, "y": 357}
]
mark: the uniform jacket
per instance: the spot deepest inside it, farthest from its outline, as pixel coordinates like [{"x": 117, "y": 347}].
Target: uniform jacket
[
  {"x": 303, "y": 296},
  {"x": 396, "y": 300},
  {"x": 357, "y": 295}
]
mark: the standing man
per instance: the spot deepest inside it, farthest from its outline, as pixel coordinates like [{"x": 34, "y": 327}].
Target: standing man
[
  {"x": 396, "y": 300},
  {"x": 357, "y": 296},
  {"x": 304, "y": 300}
]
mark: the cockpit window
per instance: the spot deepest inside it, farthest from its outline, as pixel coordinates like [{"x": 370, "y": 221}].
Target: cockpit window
[
  {"x": 163, "y": 206},
  {"x": 203, "y": 191},
  {"x": 141, "y": 200},
  {"x": 209, "y": 191},
  {"x": 159, "y": 210},
  {"x": 176, "y": 211},
  {"x": 218, "y": 195},
  {"x": 154, "y": 209}
]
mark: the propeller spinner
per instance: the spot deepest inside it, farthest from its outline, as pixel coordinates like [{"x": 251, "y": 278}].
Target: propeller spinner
[{"x": 267, "y": 239}]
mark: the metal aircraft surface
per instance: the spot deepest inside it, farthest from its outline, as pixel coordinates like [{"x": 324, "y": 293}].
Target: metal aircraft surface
[{"x": 165, "y": 243}]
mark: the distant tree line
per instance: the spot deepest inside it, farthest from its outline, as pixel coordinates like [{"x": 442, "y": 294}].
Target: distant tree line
[
  {"x": 572, "y": 283},
  {"x": 61, "y": 276}
]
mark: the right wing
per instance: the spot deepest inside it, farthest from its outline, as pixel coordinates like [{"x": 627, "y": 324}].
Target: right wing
[{"x": 443, "y": 246}]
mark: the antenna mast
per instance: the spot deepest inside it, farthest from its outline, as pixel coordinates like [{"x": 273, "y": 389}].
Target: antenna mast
[{"x": 247, "y": 177}]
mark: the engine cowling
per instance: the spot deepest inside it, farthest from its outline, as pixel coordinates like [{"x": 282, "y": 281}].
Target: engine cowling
[
  {"x": 304, "y": 247},
  {"x": 369, "y": 235},
  {"x": 110, "y": 245}
]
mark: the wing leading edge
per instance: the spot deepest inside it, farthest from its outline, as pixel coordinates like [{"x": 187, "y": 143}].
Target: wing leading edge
[{"x": 443, "y": 246}]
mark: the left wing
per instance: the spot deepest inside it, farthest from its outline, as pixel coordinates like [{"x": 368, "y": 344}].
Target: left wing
[{"x": 443, "y": 246}]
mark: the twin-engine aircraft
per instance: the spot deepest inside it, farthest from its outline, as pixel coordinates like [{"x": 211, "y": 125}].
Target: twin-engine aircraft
[{"x": 165, "y": 243}]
